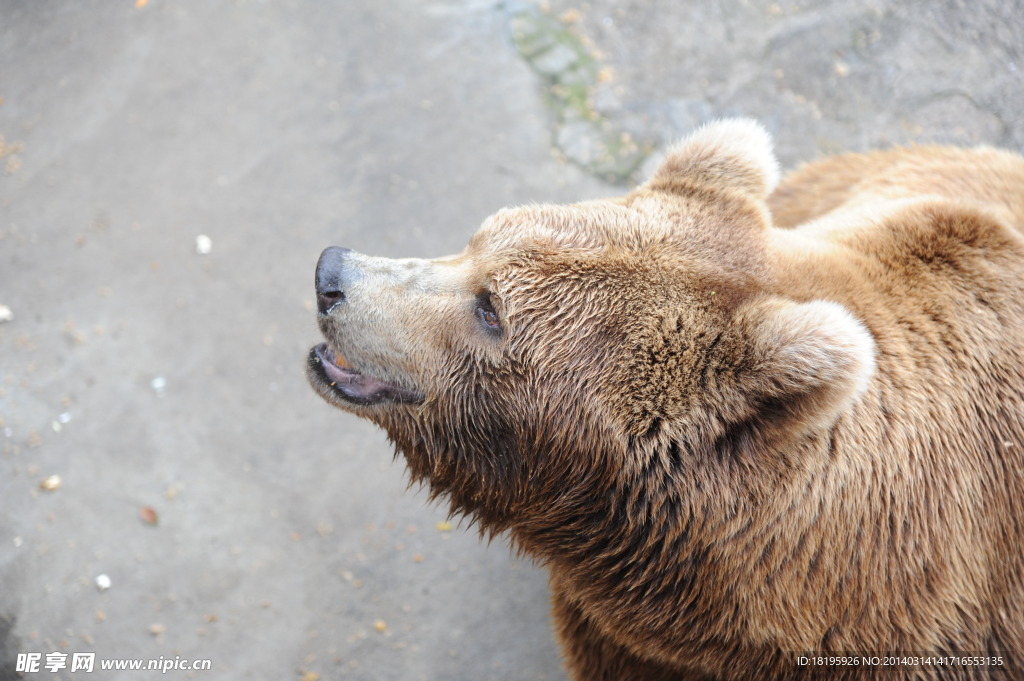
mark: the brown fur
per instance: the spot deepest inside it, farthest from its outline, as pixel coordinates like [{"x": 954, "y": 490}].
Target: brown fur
[{"x": 732, "y": 441}]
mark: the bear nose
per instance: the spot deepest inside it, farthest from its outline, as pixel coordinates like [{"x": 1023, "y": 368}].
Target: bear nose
[{"x": 331, "y": 270}]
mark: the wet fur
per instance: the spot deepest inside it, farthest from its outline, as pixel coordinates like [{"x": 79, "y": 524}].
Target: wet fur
[{"x": 740, "y": 421}]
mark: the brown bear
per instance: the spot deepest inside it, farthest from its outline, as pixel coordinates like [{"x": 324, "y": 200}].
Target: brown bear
[{"x": 753, "y": 431}]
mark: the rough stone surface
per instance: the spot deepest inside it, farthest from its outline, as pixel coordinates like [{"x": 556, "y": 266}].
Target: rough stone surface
[
  {"x": 823, "y": 77},
  {"x": 284, "y": 535}
]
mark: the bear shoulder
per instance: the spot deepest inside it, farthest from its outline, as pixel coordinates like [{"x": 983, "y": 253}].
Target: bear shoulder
[{"x": 992, "y": 177}]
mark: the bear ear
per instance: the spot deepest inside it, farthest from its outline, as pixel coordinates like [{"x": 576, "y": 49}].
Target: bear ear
[
  {"x": 808, "y": 363},
  {"x": 734, "y": 152}
]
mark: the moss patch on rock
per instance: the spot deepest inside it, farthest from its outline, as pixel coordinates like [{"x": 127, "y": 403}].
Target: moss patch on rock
[{"x": 570, "y": 73}]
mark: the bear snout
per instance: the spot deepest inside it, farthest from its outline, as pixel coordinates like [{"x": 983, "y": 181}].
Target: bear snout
[{"x": 332, "y": 271}]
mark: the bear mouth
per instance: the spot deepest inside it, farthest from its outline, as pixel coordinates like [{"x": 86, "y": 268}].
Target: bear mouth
[{"x": 329, "y": 372}]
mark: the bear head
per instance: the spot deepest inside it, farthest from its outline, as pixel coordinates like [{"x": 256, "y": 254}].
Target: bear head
[{"x": 545, "y": 374}]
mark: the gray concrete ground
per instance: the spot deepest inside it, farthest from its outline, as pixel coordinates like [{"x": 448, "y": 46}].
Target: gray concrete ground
[{"x": 237, "y": 517}]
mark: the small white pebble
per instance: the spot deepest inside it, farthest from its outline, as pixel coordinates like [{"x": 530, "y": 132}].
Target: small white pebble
[
  {"x": 103, "y": 582},
  {"x": 17, "y": 542},
  {"x": 50, "y": 484},
  {"x": 64, "y": 418},
  {"x": 203, "y": 244},
  {"x": 158, "y": 384},
  {"x": 5, "y": 314}
]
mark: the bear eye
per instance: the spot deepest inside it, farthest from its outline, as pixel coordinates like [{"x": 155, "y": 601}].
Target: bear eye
[{"x": 485, "y": 312}]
